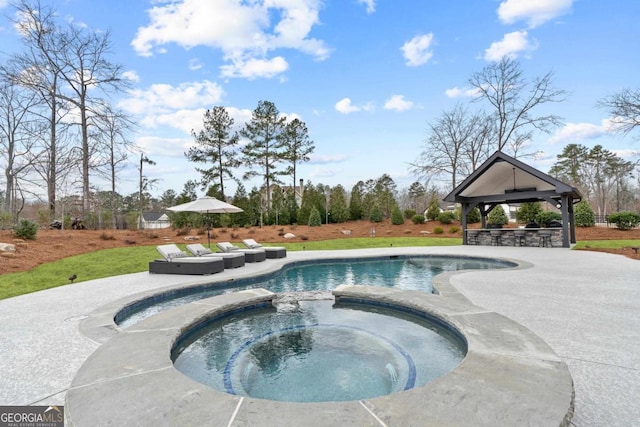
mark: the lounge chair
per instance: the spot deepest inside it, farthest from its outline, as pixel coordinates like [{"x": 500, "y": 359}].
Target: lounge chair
[
  {"x": 272, "y": 251},
  {"x": 231, "y": 259},
  {"x": 179, "y": 262},
  {"x": 250, "y": 255}
]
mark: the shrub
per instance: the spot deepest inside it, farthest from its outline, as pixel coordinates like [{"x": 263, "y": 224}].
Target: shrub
[
  {"x": 529, "y": 212},
  {"x": 446, "y": 217},
  {"x": 409, "y": 213},
  {"x": 376, "y": 214},
  {"x": 454, "y": 230},
  {"x": 396, "y": 216},
  {"x": 584, "y": 215},
  {"x": 497, "y": 216},
  {"x": 26, "y": 230},
  {"x": 433, "y": 210},
  {"x": 417, "y": 219},
  {"x": 438, "y": 230},
  {"x": 544, "y": 218},
  {"x": 624, "y": 220},
  {"x": 474, "y": 217},
  {"x": 183, "y": 231},
  {"x": 314, "y": 218}
]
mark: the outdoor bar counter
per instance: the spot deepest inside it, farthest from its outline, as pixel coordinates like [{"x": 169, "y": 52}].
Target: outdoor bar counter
[{"x": 544, "y": 237}]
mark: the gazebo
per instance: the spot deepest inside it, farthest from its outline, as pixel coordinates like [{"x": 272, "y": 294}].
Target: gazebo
[{"x": 504, "y": 179}]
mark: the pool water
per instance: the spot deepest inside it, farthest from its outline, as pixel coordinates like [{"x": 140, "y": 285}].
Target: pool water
[
  {"x": 415, "y": 273},
  {"x": 318, "y": 353}
]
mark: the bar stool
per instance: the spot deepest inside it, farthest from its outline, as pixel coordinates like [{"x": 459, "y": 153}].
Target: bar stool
[
  {"x": 520, "y": 238},
  {"x": 545, "y": 238},
  {"x": 496, "y": 237},
  {"x": 472, "y": 237}
]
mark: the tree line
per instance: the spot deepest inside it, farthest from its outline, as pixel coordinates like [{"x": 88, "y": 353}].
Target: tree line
[{"x": 60, "y": 129}]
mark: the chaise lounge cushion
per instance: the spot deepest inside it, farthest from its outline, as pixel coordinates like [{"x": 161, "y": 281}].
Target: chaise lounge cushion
[
  {"x": 178, "y": 262},
  {"x": 231, "y": 259},
  {"x": 251, "y": 255},
  {"x": 272, "y": 251}
]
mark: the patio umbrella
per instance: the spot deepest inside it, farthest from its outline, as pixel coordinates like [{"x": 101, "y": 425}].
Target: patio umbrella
[{"x": 206, "y": 205}]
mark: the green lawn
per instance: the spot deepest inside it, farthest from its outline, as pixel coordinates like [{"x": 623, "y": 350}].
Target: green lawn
[
  {"x": 607, "y": 244},
  {"x": 114, "y": 262}
]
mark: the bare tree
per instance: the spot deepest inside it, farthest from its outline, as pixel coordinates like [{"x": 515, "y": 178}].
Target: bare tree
[
  {"x": 514, "y": 99},
  {"x": 144, "y": 184},
  {"x": 458, "y": 141},
  {"x": 624, "y": 108},
  {"x": 78, "y": 57},
  {"x": 115, "y": 128}
]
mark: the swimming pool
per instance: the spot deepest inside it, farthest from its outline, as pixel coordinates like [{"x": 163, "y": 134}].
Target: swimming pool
[
  {"x": 318, "y": 352},
  {"x": 400, "y": 272}
]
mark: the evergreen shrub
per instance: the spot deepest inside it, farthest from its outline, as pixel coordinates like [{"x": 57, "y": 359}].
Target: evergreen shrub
[
  {"x": 417, "y": 219},
  {"x": 497, "y": 216},
  {"x": 544, "y": 218},
  {"x": 397, "y": 218},
  {"x": 624, "y": 220},
  {"x": 584, "y": 215},
  {"x": 446, "y": 217},
  {"x": 26, "y": 230}
]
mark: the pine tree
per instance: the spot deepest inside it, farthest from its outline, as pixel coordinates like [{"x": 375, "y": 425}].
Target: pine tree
[{"x": 266, "y": 144}]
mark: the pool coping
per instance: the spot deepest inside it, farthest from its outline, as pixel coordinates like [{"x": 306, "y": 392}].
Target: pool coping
[{"x": 509, "y": 376}]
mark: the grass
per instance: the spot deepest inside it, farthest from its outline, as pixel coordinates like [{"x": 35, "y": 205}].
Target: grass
[{"x": 607, "y": 244}]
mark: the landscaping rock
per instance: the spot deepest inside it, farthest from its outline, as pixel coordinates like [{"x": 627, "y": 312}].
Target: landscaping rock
[{"x": 7, "y": 247}]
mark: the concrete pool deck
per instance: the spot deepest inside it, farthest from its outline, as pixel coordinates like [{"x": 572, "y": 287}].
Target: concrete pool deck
[{"x": 584, "y": 305}]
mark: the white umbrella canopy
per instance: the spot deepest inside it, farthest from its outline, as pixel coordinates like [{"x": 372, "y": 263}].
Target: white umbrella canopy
[{"x": 206, "y": 205}]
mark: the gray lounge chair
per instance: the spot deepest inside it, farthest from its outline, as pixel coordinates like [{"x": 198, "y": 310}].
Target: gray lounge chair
[
  {"x": 231, "y": 259},
  {"x": 250, "y": 255},
  {"x": 272, "y": 251},
  {"x": 179, "y": 262}
]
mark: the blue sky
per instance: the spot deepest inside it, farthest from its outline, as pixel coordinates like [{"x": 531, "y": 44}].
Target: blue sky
[{"x": 365, "y": 75}]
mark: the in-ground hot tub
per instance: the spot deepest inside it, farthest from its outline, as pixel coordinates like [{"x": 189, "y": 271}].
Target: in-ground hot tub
[
  {"x": 509, "y": 376},
  {"x": 310, "y": 350}
]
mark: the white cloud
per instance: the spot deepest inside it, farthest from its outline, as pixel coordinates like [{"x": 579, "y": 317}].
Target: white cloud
[
  {"x": 535, "y": 13},
  {"x": 511, "y": 45},
  {"x": 164, "y": 97},
  {"x": 315, "y": 159},
  {"x": 254, "y": 68},
  {"x": 398, "y": 103},
  {"x": 345, "y": 106},
  {"x": 131, "y": 76},
  {"x": 158, "y": 146},
  {"x": 371, "y": 5},
  {"x": 580, "y": 131},
  {"x": 244, "y": 31},
  {"x": 417, "y": 50},
  {"x": 456, "y": 92}
]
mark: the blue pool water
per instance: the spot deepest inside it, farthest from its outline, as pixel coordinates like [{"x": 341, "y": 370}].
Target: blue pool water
[
  {"x": 318, "y": 352},
  {"x": 400, "y": 272}
]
